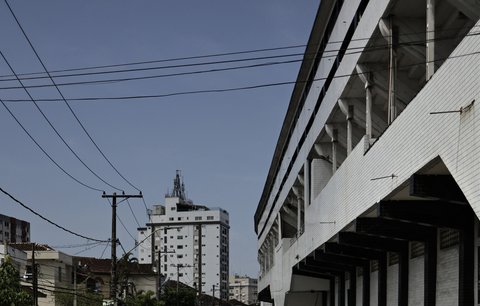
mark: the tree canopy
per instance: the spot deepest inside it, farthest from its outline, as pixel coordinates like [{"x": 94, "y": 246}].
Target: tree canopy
[{"x": 11, "y": 292}]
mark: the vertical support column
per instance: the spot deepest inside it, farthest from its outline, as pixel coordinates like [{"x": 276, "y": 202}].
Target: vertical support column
[
  {"x": 466, "y": 294},
  {"x": 333, "y": 133},
  {"x": 403, "y": 278},
  {"x": 349, "y": 129},
  {"x": 279, "y": 222},
  {"x": 334, "y": 150},
  {"x": 307, "y": 182},
  {"x": 366, "y": 286},
  {"x": 382, "y": 281},
  {"x": 368, "y": 110},
  {"x": 299, "y": 217},
  {"x": 332, "y": 291},
  {"x": 392, "y": 105},
  {"x": 364, "y": 75},
  {"x": 341, "y": 289},
  {"x": 430, "y": 37},
  {"x": 352, "y": 288},
  {"x": 430, "y": 271}
]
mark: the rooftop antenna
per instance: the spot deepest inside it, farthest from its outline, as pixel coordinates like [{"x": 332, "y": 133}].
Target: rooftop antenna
[{"x": 178, "y": 186}]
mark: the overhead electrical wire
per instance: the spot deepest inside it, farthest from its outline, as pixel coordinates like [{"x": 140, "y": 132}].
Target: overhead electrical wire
[
  {"x": 65, "y": 101},
  {"x": 133, "y": 213},
  {"x": 48, "y": 220},
  {"x": 240, "y": 88},
  {"x": 54, "y": 128},
  {"x": 184, "y": 73},
  {"x": 228, "y": 53},
  {"x": 45, "y": 152}
]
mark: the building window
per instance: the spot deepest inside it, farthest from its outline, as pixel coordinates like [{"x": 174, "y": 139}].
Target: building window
[
  {"x": 179, "y": 246},
  {"x": 449, "y": 237},
  {"x": 209, "y": 217},
  {"x": 173, "y": 208},
  {"x": 179, "y": 237},
  {"x": 416, "y": 249},
  {"x": 171, "y": 218},
  {"x": 198, "y": 218}
]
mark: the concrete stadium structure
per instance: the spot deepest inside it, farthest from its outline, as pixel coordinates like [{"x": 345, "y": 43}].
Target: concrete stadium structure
[{"x": 372, "y": 197}]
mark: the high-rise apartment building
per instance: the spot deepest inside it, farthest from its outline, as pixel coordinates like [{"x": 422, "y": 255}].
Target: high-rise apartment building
[
  {"x": 14, "y": 230},
  {"x": 190, "y": 242}
]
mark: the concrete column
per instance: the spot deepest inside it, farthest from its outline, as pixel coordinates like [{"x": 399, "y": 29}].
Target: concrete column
[
  {"x": 279, "y": 222},
  {"x": 364, "y": 75},
  {"x": 349, "y": 129},
  {"x": 307, "y": 182},
  {"x": 333, "y": 133},
  {"x": 368, "y": 110},
  {"x": 430, "y": 37},
  {"x": 386, "y": 28}
]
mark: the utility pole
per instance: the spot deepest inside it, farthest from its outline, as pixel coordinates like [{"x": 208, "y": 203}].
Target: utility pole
[
  {"x": 34, "y": 277},
  {"x": 75, "y": 284},
  {"x": 199, "y": 260},
  {"x": 113, "y": 274},
  {"x": 213, "y": 295},
  {"x": 179, "y": 266}
]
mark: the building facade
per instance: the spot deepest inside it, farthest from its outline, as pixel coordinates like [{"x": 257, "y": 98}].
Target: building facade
[
  {"x": 14, "y": 230},
  {"x": 372, "y": 195},
  {"x": 190, "y": 243},
  {"x": 243, "y": 289},
  {"x": 54, "y": 268}
]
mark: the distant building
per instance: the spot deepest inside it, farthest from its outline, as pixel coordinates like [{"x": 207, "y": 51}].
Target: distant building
[
  {"x": 14, "y": 230},
  {"x": 183, "y": 231},
  {"x": 55, "y": 270},
  {"x": 243, "y": 289},
  {"x": 94, "y": 275},
  {"x": 18, "y": 257}
]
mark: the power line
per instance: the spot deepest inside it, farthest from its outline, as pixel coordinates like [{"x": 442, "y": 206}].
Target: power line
[
  {"x": 45, "y": 152},
  {"x": 64, "y": 100},
  {"x": 48, "y": 220},
  {"x": 53, "y": 127},
  {"x": 133, "y": 213},
  {"x": 161, "y": 60},
  {"x": 227, "y": 53},
  {"x": 241, "y": 88},
  {"x": 362, "y": 49}
]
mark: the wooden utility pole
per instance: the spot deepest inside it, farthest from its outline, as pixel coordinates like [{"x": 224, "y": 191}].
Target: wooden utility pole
[
  {"x": 179, "y": 266},
  {"x": 199, "y": 260},
  {"x": 34, "y": 277},
  {"x": 113, "y": 274}
]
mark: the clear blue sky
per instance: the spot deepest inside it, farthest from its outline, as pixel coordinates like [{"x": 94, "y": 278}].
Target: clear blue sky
[{"x": 222, "y": 142}]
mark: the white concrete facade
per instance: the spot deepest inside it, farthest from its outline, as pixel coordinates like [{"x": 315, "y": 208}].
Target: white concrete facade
[
  {"x": 181, "y": 230},
  {"x": 295, "y": 227}
]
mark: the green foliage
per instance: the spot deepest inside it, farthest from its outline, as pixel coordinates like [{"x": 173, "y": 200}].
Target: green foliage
[
  {"x": 186, "y": 296},
  {"x": 10, "y": 289},
  {"x": 84, "y": 298},
  {"x": 144, "y": 299}
]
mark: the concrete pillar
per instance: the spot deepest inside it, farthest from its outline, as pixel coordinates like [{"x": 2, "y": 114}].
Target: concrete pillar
[
  {"x": 333, "y": 133},
  {"x": 368, "y": 110},
  {"x": 430, "y": 37},
  {"x": 279, "y": 222},
  {"x": 364, "y": 75},
  {"x": 386, "y": 28},
  {"x": 307, "y": 182},
  {"x": 349, "y": 129}
]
